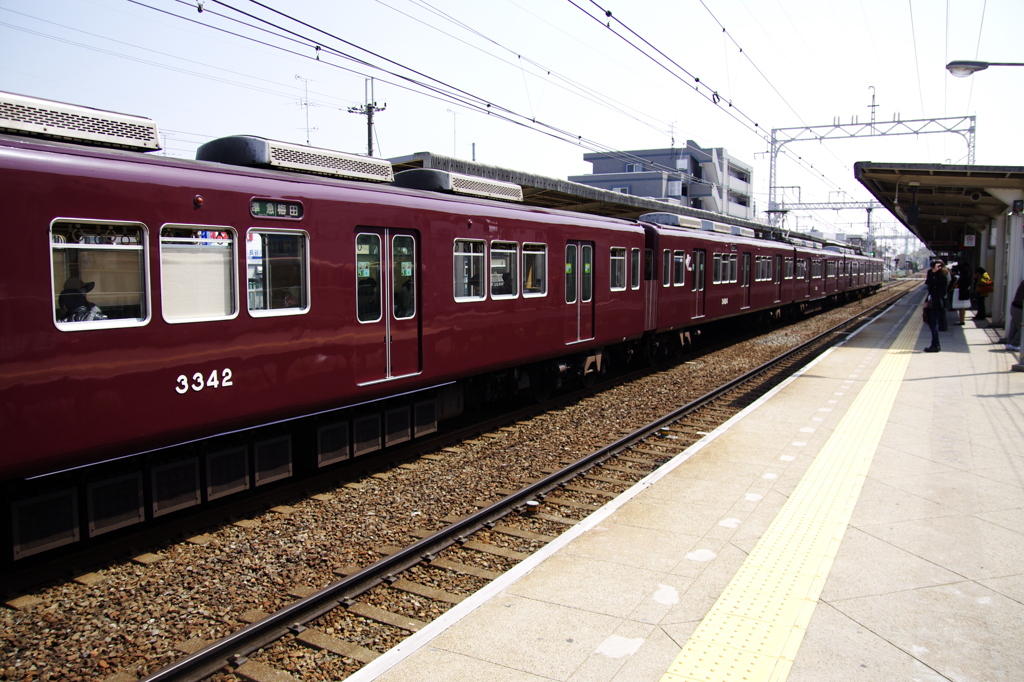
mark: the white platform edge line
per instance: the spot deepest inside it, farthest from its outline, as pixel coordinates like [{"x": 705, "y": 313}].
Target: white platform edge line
[{"x": 417, "y": 640}]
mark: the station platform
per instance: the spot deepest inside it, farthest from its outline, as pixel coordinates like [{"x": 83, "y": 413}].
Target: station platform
[{"x": 864, "y": 521}]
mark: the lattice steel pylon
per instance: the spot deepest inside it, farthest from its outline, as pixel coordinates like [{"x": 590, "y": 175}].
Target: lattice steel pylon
[{"x": 961, "y": 125}]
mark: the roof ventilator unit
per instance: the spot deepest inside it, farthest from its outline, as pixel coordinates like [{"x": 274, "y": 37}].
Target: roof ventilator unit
[
  {"x": 23, "y": 115},
  {"x": 247, "y": 150},
  {"x": 443, "y": 181},
  {"x": 743, "y": 231},
  {"x": 673, "y": 219}
]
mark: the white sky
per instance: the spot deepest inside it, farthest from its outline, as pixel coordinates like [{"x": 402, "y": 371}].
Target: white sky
[{"x": 823, "y": 57}]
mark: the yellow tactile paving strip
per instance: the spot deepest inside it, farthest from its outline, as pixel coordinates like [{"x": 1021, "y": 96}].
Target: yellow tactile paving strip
[{"x": 754, "y": 630}]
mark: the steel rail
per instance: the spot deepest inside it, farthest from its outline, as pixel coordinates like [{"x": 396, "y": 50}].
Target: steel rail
[{"x": 234, "y": 647}]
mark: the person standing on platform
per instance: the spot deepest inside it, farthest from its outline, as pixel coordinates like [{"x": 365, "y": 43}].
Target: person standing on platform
[
  {"x": 935, "y": 310},
  {"x": 1013, "y": 329},
  {"x": 982, "y": 288},
  {"x": 962, "y": 291},
  {"x": 943, "y": 322}
]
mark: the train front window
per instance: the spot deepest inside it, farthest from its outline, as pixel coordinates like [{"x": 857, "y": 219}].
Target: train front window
[
  {"x": 197, "y": 273},
  {"x": 277, "y": 263},
  {"x": 98, "y": 274}
]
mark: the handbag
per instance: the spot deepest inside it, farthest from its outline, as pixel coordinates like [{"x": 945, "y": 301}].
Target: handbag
[{"x": 924, "y": 313}]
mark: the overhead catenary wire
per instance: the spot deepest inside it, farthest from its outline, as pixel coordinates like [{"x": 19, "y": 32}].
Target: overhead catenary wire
[
  {"x": 437, "y": 92},
  {"x": 307, "y": 48},
  {"x": 459, "y": 95},
  {"x": 571, "y": 85},
  {"x": 701, "y": 88}
]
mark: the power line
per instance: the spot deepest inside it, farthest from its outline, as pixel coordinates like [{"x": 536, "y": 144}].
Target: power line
[
  {"x": 577, "y": 88},
  {"x": 704, "y": 90}
]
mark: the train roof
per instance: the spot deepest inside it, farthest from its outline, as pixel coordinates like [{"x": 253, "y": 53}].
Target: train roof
[{"x": 88, "y": 132}]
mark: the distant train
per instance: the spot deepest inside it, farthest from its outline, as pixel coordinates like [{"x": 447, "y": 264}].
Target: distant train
[{"x": 178, "y": 331}]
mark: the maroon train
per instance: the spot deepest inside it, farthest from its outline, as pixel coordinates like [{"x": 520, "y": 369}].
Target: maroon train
[{"x": 178, "y": 331}]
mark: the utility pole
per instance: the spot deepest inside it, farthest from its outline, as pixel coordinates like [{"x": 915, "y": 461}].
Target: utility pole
[
  {"x": 305, "y": 103},
  {"x": 368, "y": 110}
]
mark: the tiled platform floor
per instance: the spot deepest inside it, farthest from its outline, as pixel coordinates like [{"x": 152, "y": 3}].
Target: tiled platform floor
[{"x": 927, "y": 583}]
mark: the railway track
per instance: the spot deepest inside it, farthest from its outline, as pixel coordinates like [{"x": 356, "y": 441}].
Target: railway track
[{"x": 330, "y": 633}]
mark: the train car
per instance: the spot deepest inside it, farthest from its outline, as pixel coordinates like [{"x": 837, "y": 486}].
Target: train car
[
  {"x": 169, "y": 322},
  {"x": 180, "y": 331},
  {"x": 705, "y": 271}
]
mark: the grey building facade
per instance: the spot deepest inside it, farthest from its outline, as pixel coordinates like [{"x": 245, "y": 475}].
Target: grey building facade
[{"x": 693, "y": 176}]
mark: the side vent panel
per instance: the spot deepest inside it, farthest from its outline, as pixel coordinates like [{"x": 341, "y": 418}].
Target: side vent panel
[
  {"x": 22, "y": 115},
  {"x": 246, "y": 150},
  {"x": 443, "y": 181}
]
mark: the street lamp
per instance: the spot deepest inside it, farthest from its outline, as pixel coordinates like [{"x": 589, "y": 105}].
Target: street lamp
[{"x": 963, "y": 69}]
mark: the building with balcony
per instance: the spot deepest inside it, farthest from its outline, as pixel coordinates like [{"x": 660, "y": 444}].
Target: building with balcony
[{"x": 693, "y": 176}]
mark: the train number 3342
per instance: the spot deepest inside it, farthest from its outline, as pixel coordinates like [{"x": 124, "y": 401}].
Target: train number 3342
[{"x": 198, "y": 382}]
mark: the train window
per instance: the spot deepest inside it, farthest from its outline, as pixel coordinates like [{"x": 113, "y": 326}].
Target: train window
[
  {"x": 570, "y": 273},
  {"x": 801, "y": 268},
  {"x": 504, "y": 279},
  {"x": 830, "y": 268},
  {"x": 617, "y": 276},
  {"x": 586, "y": 273},
  {"x": 666, "y": 268},
  {"x": 762, "y": 268},
  {"x": 197, "y": 273},
  {"x": 535, "y": 269},
  {"x": 816, "y": 269},
  {"x": 277, "y": 263},
  {"x": 368, "y": 278},
  {"x": 789, "y": 268},
  {"x": 403, "y": 276},
  {"x": 725, "y": 268},
  {"x": 678, "y": 268},
  {"x": 469, "y": 270},
  {"x": 634, "y": 269},
  {"x": 99, "y": 274}
]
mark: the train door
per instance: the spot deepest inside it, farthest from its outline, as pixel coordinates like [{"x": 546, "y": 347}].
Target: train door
[
  {"x": 778, "y": 278},
  {"x": 388, "y": 336},
  {"x": 650, "y": 289},
  {"x": 745, "y": 280},
  {"x": 579, "y": 291},
  {"x": 697, "y": 284}
]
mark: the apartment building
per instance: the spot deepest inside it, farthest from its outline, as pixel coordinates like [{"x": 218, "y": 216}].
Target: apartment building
[{"x": 693, "y": 176}]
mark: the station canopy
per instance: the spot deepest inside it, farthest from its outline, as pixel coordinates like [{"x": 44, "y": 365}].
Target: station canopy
[{"x": 941, "y": 204}]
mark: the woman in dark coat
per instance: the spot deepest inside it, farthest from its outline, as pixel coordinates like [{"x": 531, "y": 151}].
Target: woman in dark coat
[{"x": 937, "y": 283}]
